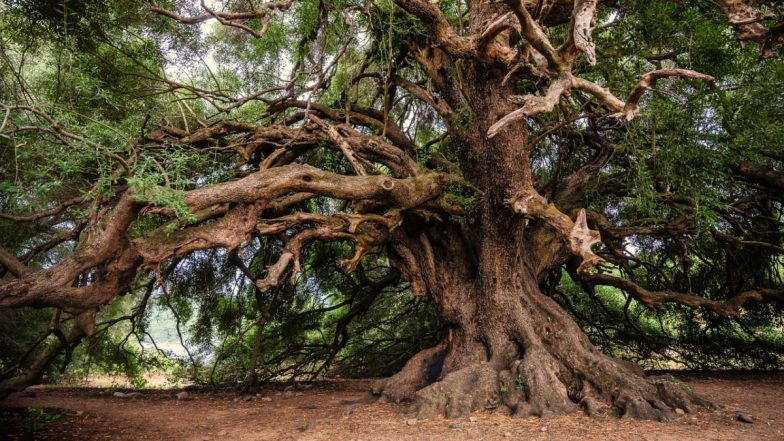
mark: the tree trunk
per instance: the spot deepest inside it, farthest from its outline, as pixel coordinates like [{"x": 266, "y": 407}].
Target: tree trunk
[
  {"x": 38, "y": 368},
  {"x": 509, "y": 347}
]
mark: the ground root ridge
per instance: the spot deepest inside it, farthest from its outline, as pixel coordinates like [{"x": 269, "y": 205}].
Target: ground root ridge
[{"x": 535, "y": 386}]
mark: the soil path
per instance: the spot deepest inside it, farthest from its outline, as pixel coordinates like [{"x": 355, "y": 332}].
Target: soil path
[{"x": 342, "y": 411}]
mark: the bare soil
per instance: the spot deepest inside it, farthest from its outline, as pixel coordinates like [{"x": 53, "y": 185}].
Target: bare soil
[{"x": 343, "y": 410}]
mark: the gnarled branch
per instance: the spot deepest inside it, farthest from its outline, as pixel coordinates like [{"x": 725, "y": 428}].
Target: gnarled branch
[{"x": 658, "y": 299}]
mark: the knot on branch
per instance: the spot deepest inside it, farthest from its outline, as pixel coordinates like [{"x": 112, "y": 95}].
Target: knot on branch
[{"x": 579, "y": 238}]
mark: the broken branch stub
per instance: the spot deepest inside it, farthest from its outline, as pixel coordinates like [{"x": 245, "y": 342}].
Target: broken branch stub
[{"x": 577, "y": 235}]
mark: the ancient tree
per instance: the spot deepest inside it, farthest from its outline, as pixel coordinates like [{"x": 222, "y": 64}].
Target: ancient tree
[{"x": 479, "y": 146}]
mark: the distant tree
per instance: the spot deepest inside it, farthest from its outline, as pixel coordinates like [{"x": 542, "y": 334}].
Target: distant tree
[{"x": 477, "y": 151}]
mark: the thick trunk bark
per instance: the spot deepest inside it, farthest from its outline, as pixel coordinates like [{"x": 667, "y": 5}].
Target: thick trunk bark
[
  {"x": 509, "y": 346},
  {"x": 513, "y": 349}
]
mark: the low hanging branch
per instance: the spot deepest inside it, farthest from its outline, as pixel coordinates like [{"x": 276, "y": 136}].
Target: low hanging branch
[{"x": 659, "y": 299}]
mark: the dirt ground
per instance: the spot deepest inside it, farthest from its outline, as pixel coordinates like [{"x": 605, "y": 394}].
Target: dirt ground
[{"x": 343, "y": 411}]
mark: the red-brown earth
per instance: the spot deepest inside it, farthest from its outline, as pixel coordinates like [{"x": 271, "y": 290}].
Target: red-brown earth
[{"x": 343, "y": 410}]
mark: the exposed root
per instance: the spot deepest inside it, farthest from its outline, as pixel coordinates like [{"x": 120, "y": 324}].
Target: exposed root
[
  {"x": 421, "y": 370},
  {"x": 550, "y": 369},
  {"x": 680, "y": 395},
  {"x": 588, "y": 401},
  {"x": 533, "y": 386},
  {"x": 659, "y": 400},
  {"x": 634, "y": 406},
  {"x": 540, "y": 385},
  {"x": 460, "y": 392},
  {"x": 546, "y": 394}
]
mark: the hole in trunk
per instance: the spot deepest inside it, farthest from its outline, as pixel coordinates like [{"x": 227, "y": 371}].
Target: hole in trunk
[
  {"x": 519, "y": 348},
  {"x": 433, "y": 367}
]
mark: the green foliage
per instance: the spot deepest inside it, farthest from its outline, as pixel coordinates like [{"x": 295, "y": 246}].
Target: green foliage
[{"x": 519, "y": 382}]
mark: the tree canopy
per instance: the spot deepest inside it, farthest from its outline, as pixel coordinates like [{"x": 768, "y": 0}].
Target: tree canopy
[{"x": 306, "y": 188}]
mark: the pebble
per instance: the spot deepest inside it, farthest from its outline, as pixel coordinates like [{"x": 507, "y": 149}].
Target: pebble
[
  {"x": 543, "y": 429},
  {"x": 182, "y": 395},
  {"x": 266, "y": 398},
  {"x": 508, "y": 434},
  {"x": 411, "y": 421},
  {"x": 247, "y": 397},
  {"x": 473, "y": 419},
  {"x": 743, "y": 418},
  {"x": 124, "y": 395},
  {"x": 679, "y": 411}
]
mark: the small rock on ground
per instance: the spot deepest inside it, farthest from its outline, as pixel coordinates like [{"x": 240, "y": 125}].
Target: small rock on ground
[{"x": 124, "y": 395}]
